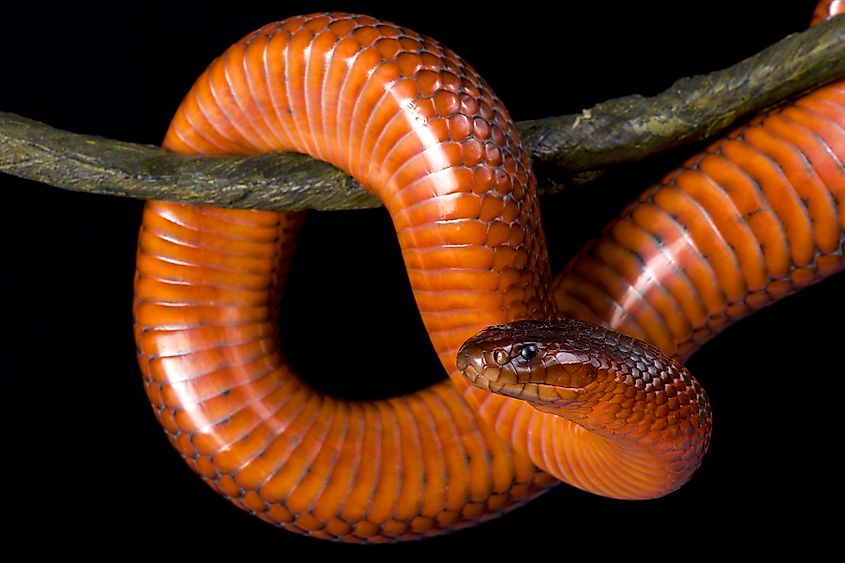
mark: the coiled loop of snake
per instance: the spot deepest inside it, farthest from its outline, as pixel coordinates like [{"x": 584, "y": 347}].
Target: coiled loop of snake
[{"x": 416, "y": 125}]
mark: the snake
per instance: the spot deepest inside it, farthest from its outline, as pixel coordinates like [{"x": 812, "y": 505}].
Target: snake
[{"x": 576, "y": 378}]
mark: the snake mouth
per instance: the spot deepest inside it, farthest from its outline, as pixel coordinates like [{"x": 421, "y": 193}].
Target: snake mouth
[{"x": 532, "y": 392}]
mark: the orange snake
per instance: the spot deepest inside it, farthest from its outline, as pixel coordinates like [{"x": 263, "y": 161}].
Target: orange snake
[{"x": 435, "y": 460}]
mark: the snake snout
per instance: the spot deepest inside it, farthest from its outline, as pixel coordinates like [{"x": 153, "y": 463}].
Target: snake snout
[{"x": 470, "y": 361}]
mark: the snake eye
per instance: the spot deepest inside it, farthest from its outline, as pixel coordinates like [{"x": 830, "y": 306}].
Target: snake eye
[
  {"x": 528, "y": 352},
  {"x": 500, "y": 357}
]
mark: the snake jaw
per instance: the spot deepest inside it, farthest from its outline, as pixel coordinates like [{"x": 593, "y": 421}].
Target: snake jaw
[{"x": 550, "y": 396}]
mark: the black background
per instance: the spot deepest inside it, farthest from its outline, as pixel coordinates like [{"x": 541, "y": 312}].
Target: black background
[{"x": 84, "y": 455}]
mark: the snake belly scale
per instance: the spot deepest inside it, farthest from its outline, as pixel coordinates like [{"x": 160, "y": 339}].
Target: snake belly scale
[{"x": 416, "y": 125}]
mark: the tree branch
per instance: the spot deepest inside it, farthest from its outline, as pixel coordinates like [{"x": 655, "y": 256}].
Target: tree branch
[
  {"x": 566, "y": 149},
  {"x": 86, "y": 163}
]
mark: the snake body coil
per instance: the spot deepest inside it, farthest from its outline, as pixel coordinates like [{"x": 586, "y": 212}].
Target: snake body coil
[{"x": 412, "y": 122}]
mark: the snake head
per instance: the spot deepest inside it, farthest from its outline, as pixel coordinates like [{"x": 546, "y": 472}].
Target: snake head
[
  {"x": 548, "y": 363},
  {"x": 630, "y": 398},
  {"x": 575, "y": 369}
]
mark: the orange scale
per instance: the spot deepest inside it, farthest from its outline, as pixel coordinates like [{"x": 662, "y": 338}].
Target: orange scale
[
  {"x": 342, "y": 27},
  {"x": 459, "y": 127},
  {"x": 318, "y": 23},
  {"x": 482, "y": 180},
  {"x": 470, "y": 257},
  {"x": 709, "y": 241},
  {"x": 521, "y": 259},
  {"x": 452, "y": 84},
  {"x": 497, "y": 233},
  {"x": 496, "y": 134},
  {"x": 797, "y": 226},
  {"x": 639, "y": 242},
  {"x": 446, "y": 103},
  {"x": 686, "y": 257},
  {"x": 718, "y": 324},
  {"x": 510, "y": 210},
  {"x": 485, "y": 110},
  {"x": 473, "y": 154},
  {"x": 296, "y": 87},
  {"x": 239, "y": 445},
  {"x": 446, "y": 208},
  {"x": 168, "y": 421},
  {"x": 492, "y": 207},
  {"x": 457, "y": 231},
  {"x": 365, "y": 529},
  {"x": 430, "y": 61},
  {"x": 818, "y": 117},
  {"x": 308, "y": 522},
  {"x": 451, "y": 65},
  {"x": 504, "y": 257},
  {"x": 205, "y": 467},
  {"x": 410, "y": 44},
  {"x": 409, "y": 62},
  {"x": 481, "y": 130},
  {"x": 469, "y": 105},
  {"x": 737, "y": 310},
  {"x": 378, "y": 93},
  {"x": 356, "y": 79},
  {"x": 810, "y": 137},
  {"x": 428, "y": 82},
  {"x": 516, "y": 235},
  {"x": 391, "y": 478},
  {"x": 519, "y": 192},
  {"x": 366, "y": 36},
  {"x": 153, "y": 390},
  {"x": 387, "y": 47},
  {"x": 502, "y": 182},
  {"x": 801, "y": 177},
  {"x": 827, "y": 265},
  {"x": 253, "y": 502},
  {"x": 337, "y": 527},
  {"x": 394, "y": 528},
  {"x": 203, "y": 106},
  {"x": 780, "y": 288},
  {"x": 228, "y": 486},
  {"x": 388, "y": 30},
  {"x": 728, "y": 221},
  {"x": 237, "y": 90},
  {"x": 181, "y": 254},
  {"x": 194, "y": 237}
]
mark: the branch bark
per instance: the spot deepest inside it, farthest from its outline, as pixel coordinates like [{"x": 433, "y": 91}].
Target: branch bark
[{"x": 566, "y": 149}]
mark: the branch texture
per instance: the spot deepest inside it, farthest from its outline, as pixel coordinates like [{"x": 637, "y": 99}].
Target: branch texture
[{"x": 567, "y": 149}]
